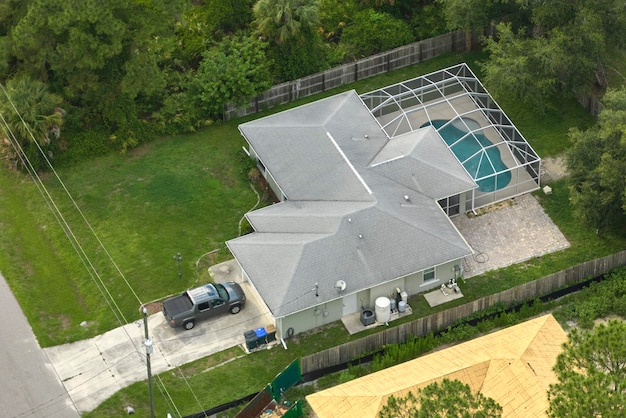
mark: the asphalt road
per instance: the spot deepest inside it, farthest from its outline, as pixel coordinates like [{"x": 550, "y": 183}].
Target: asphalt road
[{"x": 29, "y": 384}]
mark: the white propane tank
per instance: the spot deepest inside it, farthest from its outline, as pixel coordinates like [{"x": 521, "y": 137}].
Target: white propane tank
[
  {"x": 383, "y": 309},
  {"x": 405, "y": 297}
]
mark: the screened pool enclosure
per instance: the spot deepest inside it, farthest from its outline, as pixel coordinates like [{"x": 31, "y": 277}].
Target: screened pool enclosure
[{"x": 470, "y": 122}]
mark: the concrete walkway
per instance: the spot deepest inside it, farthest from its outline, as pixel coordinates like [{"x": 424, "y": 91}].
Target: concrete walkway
[
  {"x": 509, "y": 235},
  {"x": 93, "y": 370}
]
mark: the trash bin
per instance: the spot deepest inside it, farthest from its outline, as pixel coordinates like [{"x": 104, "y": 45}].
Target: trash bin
[
  {"x": 251, "y": 339},
  {"x": 271, "y": 333},
  {"x": 261, "y": 336}
]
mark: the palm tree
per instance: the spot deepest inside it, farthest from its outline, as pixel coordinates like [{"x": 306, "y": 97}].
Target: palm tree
[
  {"x": 280, "y": 20},
  {"x": 30, "y": 115}
]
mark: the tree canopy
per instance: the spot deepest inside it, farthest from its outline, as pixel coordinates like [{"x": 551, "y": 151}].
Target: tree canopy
[
  {"x": 128, "y": 70},
  {"x": 561, "y": 50},
  {"x": 37, "y": 124},
  {"x": 448, "y": 398},
  {"x": 591, "y": 374},
  {"x": 596, "y": 162}
]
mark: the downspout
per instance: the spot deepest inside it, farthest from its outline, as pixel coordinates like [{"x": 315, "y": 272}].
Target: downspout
[{"x": 280, "y": 327}]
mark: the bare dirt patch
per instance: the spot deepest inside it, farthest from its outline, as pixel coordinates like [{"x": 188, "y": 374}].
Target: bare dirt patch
[
  {"x": 153, "y": 307},
  {"x": 553, "y": 168},
  {"x": 140, "y": 151}
]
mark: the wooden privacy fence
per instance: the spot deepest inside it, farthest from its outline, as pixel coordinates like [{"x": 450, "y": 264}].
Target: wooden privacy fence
[
  {"x": 441, "y": 320},
  {"x": 349, "y": 73}
]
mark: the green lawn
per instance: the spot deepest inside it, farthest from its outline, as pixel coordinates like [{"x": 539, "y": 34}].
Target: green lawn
[
  {"x": 187, "y": 194},
  {"x": 184, "y": 194}
]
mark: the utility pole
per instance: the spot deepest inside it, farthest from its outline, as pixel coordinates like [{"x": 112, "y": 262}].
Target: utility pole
[{"x": 148, "y": 344}]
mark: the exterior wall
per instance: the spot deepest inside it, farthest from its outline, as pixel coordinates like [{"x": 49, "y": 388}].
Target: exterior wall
[
  {"x": 310, "y": 318},
  {"x": 443, "y": 273},
  {"x": 387, "y": 290},
  {"x": 267, "y": 175},
  {"x": 333, "y": 311}
]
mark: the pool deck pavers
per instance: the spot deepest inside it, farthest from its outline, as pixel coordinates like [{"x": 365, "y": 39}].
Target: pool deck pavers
[{"x": 509, "y": 235}]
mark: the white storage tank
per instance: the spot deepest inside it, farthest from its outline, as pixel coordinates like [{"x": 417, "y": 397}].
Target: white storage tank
[
  {"x": 405, "y": 297},
  {"x": 383, "y": 309},
  {"x": 401, "y": 306}
]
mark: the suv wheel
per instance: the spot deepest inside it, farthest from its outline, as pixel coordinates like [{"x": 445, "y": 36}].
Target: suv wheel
[
  {"x": 189, "y": 325},
  {"x": 235, "y": 309}
]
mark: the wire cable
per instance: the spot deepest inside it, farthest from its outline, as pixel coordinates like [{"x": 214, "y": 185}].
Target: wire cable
[{"x": 100, "y": 284}]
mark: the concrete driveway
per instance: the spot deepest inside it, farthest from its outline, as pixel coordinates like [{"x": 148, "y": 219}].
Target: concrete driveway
[{"x": 92, "y": 370}]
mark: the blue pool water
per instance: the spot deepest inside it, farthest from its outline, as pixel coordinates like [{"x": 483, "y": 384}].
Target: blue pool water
[{"x": 477, "y": 166}]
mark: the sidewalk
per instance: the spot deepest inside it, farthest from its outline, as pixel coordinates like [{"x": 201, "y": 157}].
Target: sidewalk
[{"x": 93, "y": 370}]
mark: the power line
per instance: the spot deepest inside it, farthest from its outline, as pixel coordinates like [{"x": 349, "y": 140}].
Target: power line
[{"x": 106, "y": 294}]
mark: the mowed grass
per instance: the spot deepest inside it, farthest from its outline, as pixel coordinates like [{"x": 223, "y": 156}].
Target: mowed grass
[
  {"x": 547, "y": 133},
  {"x": 182, "y": 194},
  {"x": 185, "y": 194}
]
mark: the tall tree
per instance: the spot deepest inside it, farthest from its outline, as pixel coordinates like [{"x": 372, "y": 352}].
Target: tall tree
[
  {"x": 596, "y": 162},
  {"x": 290, "y": 27},
  {"x": 280, "y": 20},
  {"x": 469, "y": 15},
  {"x": 231, "y": 73},
  {"x": 516, "y": 68},
  {"x": 31, "y": 119},
  {"x": 103, "y": 56},
  {"x": 447, "y": 399},
  {"x": 591, "y": 374},
  {"x": 564, "y": 52},
  {"x": 383, "y": 32}
]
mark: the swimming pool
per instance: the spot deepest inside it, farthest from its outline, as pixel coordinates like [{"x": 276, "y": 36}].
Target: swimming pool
[{"x": 476, "y": 153}]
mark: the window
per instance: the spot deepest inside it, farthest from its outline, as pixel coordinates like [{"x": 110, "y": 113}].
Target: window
[
  {"x": 451, "y": 205},
  {"x": 261, "y": 166},
  {"x": 217, "y": 302},
  {"x": 429, "y": 275},
  {"x": 203, "y": 306}
]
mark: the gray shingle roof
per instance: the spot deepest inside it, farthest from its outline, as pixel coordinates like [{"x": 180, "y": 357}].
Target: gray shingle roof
[
  {"x": 420, "y": 160},
  {"x": 348, "y": 216}
]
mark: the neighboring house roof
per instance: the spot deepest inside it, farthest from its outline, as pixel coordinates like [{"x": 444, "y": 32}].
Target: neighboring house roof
[
  {"x": 513, "y": 366},
  {"x": 360, "y": 207}
]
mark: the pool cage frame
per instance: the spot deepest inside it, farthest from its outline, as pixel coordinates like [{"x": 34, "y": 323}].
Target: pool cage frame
[{"x": 457, "y": 96}]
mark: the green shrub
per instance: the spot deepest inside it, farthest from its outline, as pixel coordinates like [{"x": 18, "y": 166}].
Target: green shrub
[
  {"x": 372, "y": 32},
  {"x": 83, "y": 145}
]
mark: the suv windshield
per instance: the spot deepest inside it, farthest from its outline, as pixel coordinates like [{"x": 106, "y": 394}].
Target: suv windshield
[{"x": 222, "y": 291}]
